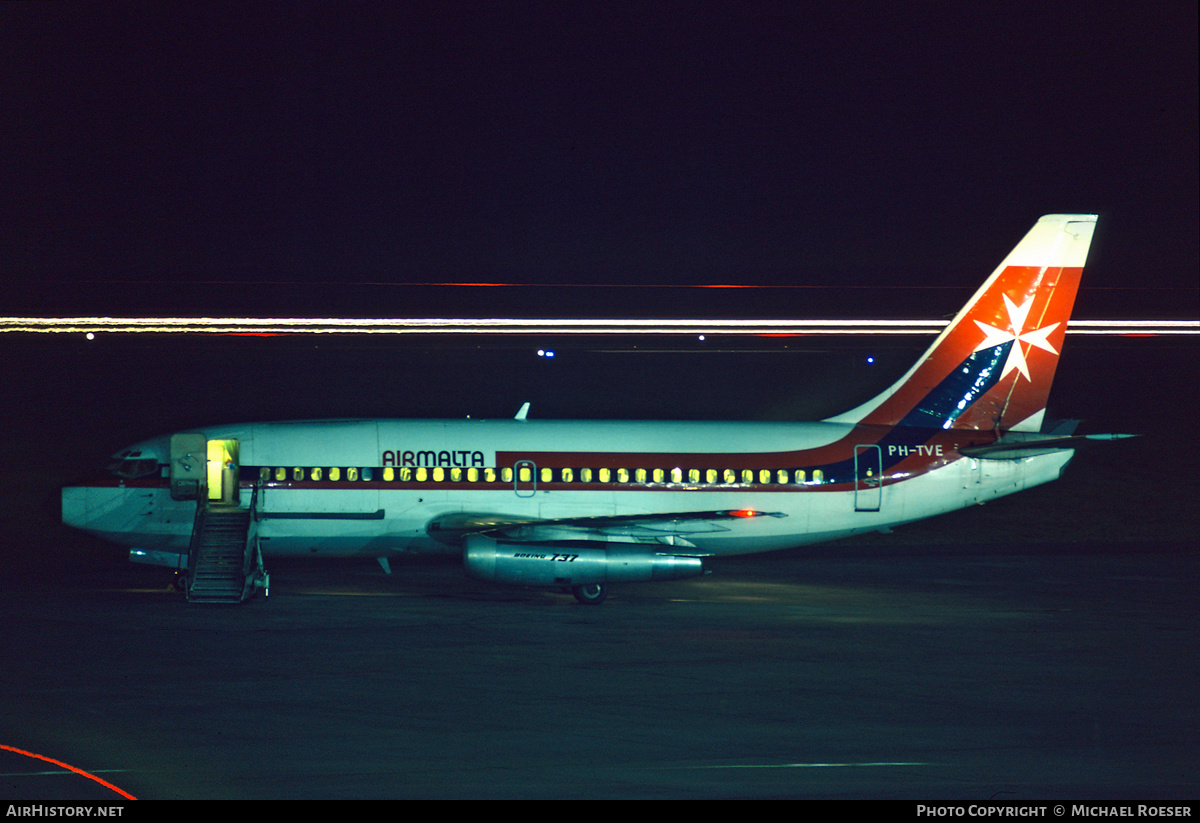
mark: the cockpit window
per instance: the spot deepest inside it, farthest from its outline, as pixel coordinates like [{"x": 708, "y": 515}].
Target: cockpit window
[{"x": 131, "y": 468}]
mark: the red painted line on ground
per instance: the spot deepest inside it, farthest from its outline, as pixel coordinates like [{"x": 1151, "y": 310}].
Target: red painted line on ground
[{"x": 69, "y": 767}]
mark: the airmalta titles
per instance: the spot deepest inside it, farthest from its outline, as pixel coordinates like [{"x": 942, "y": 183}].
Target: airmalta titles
[{"x": 432, "y": 459}]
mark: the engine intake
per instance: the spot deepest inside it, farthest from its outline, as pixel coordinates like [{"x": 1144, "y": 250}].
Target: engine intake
[{"x": 571, "y": 564}]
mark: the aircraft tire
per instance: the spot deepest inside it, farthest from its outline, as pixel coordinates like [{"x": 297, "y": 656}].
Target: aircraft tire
[{"x": 592, "y": 594}]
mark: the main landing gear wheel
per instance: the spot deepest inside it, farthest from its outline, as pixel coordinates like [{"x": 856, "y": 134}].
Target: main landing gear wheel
[{"x": 592, "y": 594}]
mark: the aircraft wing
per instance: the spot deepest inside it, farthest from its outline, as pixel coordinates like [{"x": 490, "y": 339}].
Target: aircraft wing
[{"x": 666, "y": 528}]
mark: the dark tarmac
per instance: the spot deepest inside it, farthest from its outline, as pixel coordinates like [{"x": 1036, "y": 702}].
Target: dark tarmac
[
  {"x": 1041, "y": 647},
  {"x": 868, "y": 675}
]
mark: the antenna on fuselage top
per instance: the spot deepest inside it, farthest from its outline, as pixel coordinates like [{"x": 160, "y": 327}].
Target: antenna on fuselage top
[{"x": 523, "y": 412}]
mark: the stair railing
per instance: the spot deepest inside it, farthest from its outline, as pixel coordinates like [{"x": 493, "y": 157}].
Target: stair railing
[
  {"x": 194, "y": 541},
  {"x": 253, "y": 573}
]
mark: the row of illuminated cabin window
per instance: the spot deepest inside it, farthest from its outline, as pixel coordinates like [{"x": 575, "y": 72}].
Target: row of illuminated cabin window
[{"x": 526, "y": 473}]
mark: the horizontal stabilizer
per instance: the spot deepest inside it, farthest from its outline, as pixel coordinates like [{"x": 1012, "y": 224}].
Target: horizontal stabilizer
[{"x": 1015, "y": 445}]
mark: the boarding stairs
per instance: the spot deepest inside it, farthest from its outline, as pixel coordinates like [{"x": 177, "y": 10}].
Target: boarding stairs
[{"x": 224, "y": 560}]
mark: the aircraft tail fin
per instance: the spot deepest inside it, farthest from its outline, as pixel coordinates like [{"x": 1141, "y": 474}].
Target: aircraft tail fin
[{"x": 991, "y": 367}]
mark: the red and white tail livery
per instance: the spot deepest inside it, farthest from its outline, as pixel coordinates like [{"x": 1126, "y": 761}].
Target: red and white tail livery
[
  {"x": 580, "y": 504},
  {"x": 991, "y": 368}
]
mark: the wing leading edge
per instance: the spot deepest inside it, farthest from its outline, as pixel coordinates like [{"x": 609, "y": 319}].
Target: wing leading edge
[{"x": 666, "y": 528}]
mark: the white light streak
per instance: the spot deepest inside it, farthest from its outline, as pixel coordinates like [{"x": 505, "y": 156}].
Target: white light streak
[{"x": 502, "y": 325}]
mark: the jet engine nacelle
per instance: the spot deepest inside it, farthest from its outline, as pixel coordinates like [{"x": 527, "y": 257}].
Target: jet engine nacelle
[{"x": 571, "y": 564}]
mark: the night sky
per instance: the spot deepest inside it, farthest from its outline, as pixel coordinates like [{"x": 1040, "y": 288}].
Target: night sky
[{"x": 297, "y": 146}]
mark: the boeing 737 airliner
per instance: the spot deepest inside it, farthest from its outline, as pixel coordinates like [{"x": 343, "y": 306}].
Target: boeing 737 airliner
[{"x": 579, "y": 505}]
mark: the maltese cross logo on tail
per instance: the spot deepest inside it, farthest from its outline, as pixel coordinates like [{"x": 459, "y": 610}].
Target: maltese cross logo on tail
[{"x": 1017, "y": 334}]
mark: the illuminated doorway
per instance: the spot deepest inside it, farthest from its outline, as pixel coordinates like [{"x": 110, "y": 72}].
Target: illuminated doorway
[{"x": 223, "y": 472}]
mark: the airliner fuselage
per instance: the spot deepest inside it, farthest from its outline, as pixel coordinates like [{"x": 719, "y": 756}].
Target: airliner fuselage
[
  {"x": 584, "y": 503},
  {"x": 381, "y": 487}
]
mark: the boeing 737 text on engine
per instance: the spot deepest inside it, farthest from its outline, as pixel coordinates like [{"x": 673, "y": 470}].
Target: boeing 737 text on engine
[{"x": 580, "y": 505}]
